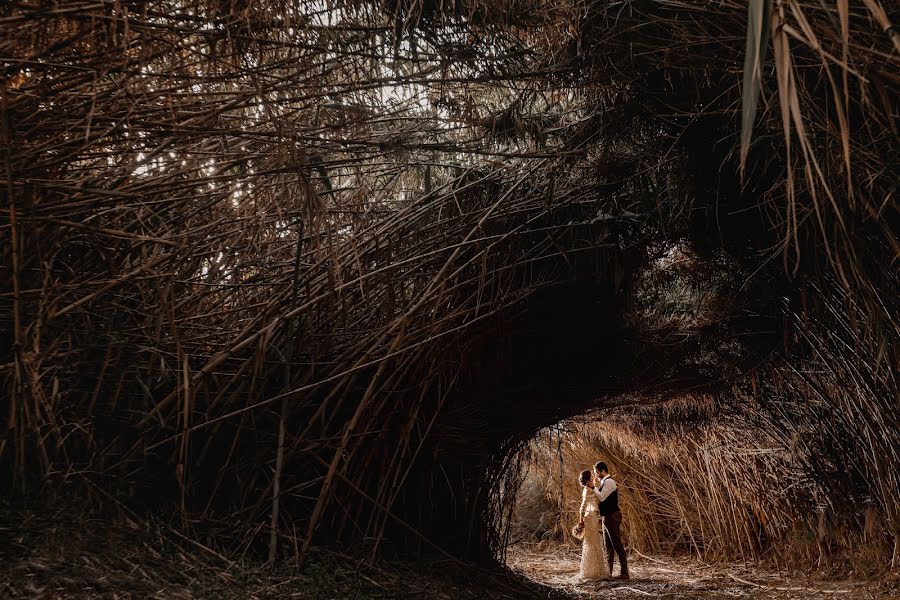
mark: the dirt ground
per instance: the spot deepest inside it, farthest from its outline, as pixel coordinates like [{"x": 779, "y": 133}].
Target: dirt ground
[
  {"x": 557, "y": 567},
  {"x": 71, "y": 552}
]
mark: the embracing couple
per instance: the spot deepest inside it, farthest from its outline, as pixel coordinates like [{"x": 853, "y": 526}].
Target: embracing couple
[{"x": 600, "y": 498}]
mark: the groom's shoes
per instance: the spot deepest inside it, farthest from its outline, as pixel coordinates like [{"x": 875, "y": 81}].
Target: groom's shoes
[{"x": 624, "y": 575}]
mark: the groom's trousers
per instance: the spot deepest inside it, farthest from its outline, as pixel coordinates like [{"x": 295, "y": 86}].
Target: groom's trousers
[{"x": 613, "y": 526}]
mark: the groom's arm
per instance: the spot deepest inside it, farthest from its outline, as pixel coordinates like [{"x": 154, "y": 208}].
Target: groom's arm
[{"x": 606, "y": 488}]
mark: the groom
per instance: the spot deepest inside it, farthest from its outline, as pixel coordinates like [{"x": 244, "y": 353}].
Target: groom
[{"x": 607, "y": 493}]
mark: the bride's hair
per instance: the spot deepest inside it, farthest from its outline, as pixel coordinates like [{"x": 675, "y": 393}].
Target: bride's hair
[{"x": 584, "y": 477}]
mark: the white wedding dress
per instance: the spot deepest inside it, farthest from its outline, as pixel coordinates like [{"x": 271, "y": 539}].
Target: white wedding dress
[{"x": 593, "y": 551}]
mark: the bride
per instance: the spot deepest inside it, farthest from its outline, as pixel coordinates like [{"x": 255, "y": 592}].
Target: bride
[{"x": 593, "y": 553}]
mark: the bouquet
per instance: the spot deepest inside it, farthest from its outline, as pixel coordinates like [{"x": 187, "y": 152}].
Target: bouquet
[{"x": 578, "y": 530}]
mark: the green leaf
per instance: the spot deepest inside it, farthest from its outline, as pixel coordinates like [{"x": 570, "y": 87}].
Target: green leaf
[{"x": 758, "y": 12}]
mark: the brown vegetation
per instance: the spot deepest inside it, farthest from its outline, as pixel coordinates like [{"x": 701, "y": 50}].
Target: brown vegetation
[
  {"x": 721, "y": 490},
  {"x": 321, "y": 269},
  {"x": 51, "y": 552}
]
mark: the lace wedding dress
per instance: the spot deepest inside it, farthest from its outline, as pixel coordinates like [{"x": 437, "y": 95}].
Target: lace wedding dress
[{"x": 593, "y": 551}]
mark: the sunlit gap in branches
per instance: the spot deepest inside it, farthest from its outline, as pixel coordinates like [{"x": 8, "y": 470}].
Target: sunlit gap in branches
[{"x": 418, "y": 111}]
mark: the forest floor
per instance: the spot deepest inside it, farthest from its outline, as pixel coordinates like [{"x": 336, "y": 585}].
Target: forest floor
[
  {"x": 684, "y": 578},
  {"x": 69, "y": 551}
]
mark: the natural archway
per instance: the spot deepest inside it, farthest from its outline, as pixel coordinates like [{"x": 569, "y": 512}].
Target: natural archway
[{"x": 317, "y": 271}]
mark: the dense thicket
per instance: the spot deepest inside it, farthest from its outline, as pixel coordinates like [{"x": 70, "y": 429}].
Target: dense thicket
[{"x": 321, "y": 267}]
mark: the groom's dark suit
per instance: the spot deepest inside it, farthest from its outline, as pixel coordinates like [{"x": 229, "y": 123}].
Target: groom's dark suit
[{"x": 608, "y": 494}]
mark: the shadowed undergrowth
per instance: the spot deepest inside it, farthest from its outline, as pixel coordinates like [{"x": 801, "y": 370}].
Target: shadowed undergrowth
[
  {"x": 67, "y": 550},
  {"x": 317, "y": 271}
]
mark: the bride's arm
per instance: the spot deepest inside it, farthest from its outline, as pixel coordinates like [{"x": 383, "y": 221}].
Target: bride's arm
[{"x": 583, "y": 501}]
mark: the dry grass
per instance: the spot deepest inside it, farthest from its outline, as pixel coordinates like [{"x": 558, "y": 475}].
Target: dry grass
[
  {"x": 730, "y": 487},
  {"x": 255, "y": 254},
  {"x": 67, "y": 550}
]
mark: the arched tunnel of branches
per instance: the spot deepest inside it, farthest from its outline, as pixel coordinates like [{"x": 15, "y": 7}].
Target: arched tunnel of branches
[{"x": 320, "y": 269}]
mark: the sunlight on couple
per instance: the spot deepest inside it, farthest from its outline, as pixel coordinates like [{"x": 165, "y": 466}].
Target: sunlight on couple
[{"x": 600, "y": 516}]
